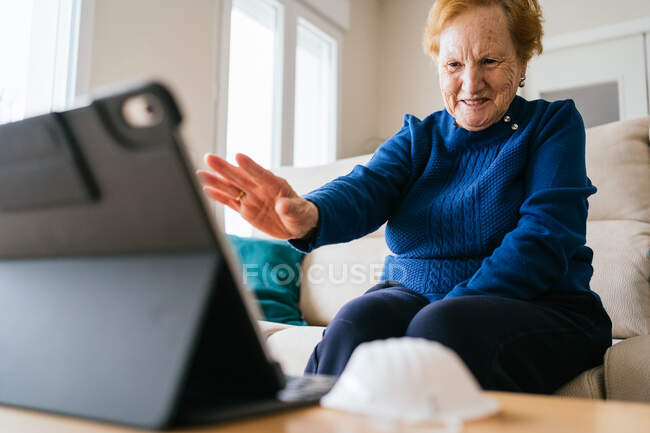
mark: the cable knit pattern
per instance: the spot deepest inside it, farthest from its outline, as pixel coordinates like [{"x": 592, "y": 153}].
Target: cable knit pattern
[{"x": 499, "y": 212}]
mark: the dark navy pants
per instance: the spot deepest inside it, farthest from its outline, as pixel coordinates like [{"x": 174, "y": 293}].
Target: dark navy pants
[{"x": 509, "y": 345}]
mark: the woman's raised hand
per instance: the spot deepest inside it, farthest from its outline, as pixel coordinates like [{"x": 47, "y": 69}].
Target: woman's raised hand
[{"x": 263, "y": 199}]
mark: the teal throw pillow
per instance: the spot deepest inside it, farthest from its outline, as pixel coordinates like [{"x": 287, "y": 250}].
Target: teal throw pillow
[{"x": 271, "y": 269}]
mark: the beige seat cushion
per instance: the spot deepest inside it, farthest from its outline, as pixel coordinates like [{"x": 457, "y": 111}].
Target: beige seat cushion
[
  {"x": 618, "y": 163},
  {"x": 334, "y": 274},
  {"x": 292, "y": 346},
  {"x": 269, "y": 328}
]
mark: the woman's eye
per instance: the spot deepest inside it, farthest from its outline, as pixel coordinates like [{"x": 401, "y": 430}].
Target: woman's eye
[
  {"x": 489, "y": 61},
  {"x": 453, "y": 65}
]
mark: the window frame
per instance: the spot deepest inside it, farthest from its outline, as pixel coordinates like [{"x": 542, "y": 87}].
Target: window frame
[{"x": 322, "y": 26}]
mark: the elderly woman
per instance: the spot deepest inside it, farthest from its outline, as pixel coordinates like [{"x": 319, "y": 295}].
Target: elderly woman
[{"x": 486, "y": 203}]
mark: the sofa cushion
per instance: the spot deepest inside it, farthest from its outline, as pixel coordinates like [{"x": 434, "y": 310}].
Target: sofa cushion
[
  {"x": 306, "y": 179},
  {"x": 627, "y": 370},
  {"x": 293, "y": 345},
  {"x": 589, "y": 384},
  {"x": 621, "y": 272},
  {"x": 334, "y": 274},
  {"x": 618, "y": 163}
]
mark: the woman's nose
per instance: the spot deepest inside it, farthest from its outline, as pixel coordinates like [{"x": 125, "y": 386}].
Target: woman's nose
[{"x": 473, "y": 81}]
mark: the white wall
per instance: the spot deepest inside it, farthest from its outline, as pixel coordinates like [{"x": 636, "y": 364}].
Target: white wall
[
  {"x": 408, "y": 80},
  {"x": 167, "y": 39},
  {"x": 335, "y": 10},
  {"x": 564, "y": 16},
  {"x": 360, "y": 80}
]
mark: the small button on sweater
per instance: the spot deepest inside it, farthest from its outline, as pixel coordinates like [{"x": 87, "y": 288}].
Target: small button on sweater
[{"x": 499, "y": 212}]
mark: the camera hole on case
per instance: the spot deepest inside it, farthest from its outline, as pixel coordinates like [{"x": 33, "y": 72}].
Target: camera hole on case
[{"x": 142, "y": 111}]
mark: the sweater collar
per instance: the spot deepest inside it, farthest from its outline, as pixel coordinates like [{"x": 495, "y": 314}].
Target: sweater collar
[{"x": 510, "y": 124}]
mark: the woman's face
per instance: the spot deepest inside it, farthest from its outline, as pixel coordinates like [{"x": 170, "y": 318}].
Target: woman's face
[{"x": 478, "y": 67}]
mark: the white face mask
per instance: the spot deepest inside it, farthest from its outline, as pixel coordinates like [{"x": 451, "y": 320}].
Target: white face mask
[{"x": 410, "y": 380}]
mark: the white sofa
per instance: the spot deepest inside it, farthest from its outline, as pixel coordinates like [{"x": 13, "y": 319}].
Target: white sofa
[{"x": 618, "y": 230}]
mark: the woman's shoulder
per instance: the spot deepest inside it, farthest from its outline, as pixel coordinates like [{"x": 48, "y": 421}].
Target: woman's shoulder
[
  {"x": 414, "y": 121},
  {"x": 414, "y": 125},
  {"x": 561, "y": 111},
  {"x": 555, "y": 121}
]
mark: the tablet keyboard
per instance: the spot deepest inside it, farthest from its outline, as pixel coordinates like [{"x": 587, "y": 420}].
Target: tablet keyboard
[{"x": 308, "y": 387}]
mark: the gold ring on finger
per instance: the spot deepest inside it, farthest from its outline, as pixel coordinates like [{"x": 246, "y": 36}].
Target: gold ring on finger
[{"x": 240, "y": 196}]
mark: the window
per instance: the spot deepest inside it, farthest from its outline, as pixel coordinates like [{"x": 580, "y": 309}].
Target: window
[
  {"x": 252, "y": 94},
  {"x": 315, "y": 125},
  {"x": 251, "y": 90},
  {"x": 38, "y": 43},
  {"x": 282, "y": 88}
]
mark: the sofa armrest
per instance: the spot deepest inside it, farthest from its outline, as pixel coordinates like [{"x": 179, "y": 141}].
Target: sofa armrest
[
  {"x": 589, "y": 384},
  {"x": 627, "y": 370}
]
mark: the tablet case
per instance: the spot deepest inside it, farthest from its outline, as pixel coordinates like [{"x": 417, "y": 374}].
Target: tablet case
[{"x": 116, "y": 297}]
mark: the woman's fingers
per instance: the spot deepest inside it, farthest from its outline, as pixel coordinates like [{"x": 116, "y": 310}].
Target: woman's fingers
[
  {"x": 258, "y": 172},
  {"x": 216, "y": 182},
  {"x": 235, "y": 175},
  {"x": 266, "y": 201},
  {"x": 222, "y": 198}
]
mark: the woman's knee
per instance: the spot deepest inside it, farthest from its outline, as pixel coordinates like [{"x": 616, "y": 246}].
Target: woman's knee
[
  {"x": 377, "y": 314},
  {"x": 508, "y": 344},
  {"x": 442, "y": 320},
  {"x": 456, "y": 324}
]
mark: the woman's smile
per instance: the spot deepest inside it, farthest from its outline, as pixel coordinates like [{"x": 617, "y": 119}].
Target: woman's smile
[{"x": 475, "y": 103}]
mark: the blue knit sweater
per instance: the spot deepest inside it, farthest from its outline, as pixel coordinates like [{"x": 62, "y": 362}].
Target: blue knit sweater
[{"x": 500, "y": 211}]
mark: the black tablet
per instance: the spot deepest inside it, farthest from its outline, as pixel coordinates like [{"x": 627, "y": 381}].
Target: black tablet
[{"x": 119, "y": 298}]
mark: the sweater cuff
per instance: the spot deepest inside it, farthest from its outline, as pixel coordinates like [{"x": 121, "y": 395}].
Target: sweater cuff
[{"x": 310, "y": 241}]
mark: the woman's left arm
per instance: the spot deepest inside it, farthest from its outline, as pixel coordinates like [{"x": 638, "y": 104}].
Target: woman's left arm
[{"x": 535, "y": 256}]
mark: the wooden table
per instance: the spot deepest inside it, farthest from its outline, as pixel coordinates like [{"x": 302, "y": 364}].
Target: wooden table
[{"x": 519, "y": 413}]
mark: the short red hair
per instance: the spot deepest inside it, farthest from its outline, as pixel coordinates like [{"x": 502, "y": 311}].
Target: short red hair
[{"x": 524, "y": 20}]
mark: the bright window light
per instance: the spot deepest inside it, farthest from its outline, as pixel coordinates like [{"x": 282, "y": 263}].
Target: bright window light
[
  {"x": 251, "y": 89},
  {"x": 315, "y": 123},
  {"x": 38, "y": 40}
]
